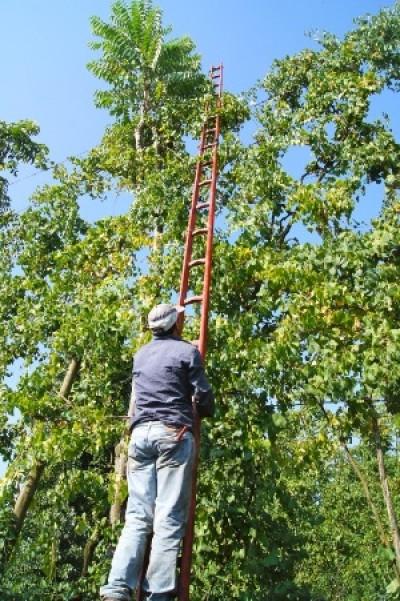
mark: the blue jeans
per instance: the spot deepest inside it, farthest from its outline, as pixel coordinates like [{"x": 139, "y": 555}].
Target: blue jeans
[{"x": 159, "y": 483}]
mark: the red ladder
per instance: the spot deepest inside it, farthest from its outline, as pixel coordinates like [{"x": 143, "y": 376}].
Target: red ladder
[{"x": 203, "y": 210}]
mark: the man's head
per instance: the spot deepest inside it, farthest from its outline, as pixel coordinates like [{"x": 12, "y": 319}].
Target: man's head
[{"x": 163, "y": 318}]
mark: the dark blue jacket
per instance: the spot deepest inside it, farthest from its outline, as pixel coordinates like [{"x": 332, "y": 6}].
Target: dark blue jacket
[{"x": 167, "y": 372}]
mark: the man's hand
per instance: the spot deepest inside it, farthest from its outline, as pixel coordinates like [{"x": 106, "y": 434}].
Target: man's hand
[{"x": 195, "y": 343}]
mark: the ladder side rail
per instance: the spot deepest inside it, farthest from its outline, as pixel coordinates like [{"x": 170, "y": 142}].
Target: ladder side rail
[
  {"x": 187, "y": 552},
  {"x": 191, "y": 225},
  {"x": 209, "y": 246}
]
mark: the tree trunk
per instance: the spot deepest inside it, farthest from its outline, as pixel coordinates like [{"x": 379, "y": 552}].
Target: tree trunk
[
  {"x": 121, "y": 458},
  {"x": 145, "y": 104},
  {"x": 364, "y": 483},
  {"x": 28, "y": 490},
  {"x": 143, "y": 111},
  {"x": 69, "y": 378},
  {"x": 120, "y": 463},
  {"x": 88, "y": 552},
  {"x": 367, "y": 493},
  {"x": 386, "y": 491},
  {"x": 26, "y": 494},
  {"x": 378, "y": 522}
]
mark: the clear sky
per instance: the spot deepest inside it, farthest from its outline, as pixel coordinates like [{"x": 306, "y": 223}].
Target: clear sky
[{"x": 44, "y": 51}]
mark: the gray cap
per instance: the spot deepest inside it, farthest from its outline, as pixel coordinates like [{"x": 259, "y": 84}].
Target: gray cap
[{"x": 163, "y": 317}]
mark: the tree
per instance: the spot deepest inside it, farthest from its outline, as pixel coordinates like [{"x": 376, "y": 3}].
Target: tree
[
  {"x": 331, "y": 343},
  {"x": 299, "y": 353},
  {"x": 16, "y": 147},
  {"x": 149, "y": 77}
]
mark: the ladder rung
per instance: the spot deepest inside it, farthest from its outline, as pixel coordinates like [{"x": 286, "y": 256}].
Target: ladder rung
[
  {"x": 217, "y": 68},
  {"x": 202, "y": 205},
  {"x": 207, "y": 163},
  {"x": 210, "y": 130},
  {"x": 205, "y": 182},
  {"x": 197, "y": 262},
  {"x": 200, "y": 231},
  {"x": 209, "y": 145},
  {"x": 193, "y": 299},
  {"x": 215, "y": 75}
]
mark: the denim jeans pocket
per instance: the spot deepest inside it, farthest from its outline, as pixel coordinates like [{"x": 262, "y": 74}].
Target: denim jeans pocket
[
  {"x": 175, "y": 452},
  {"x": 137, "y": 455},
  {"x": 169, "y": 435}
]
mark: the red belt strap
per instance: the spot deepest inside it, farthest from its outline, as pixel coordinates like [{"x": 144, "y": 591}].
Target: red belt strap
[{"x": 181, "y": 432}]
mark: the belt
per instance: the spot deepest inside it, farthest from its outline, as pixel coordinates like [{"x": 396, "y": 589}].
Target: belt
[{"x": 180, "y": 432}]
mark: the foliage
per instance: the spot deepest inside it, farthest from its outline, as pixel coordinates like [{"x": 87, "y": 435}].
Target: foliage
[
  {"x": 17, "y": 146},
  {"x": 303, "y": 345}
]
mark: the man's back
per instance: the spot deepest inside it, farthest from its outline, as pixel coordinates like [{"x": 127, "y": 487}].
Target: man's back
[{"x": 167, "y": 372}]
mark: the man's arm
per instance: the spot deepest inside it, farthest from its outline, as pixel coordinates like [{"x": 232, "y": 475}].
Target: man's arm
[{"x": 202, "y": 391}]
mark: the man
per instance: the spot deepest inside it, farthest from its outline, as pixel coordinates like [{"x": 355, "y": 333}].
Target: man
[{"x": 167, "y": 373}]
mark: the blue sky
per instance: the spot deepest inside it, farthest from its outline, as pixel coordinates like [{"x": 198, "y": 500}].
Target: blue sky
[{"x": 44, "y": 51}]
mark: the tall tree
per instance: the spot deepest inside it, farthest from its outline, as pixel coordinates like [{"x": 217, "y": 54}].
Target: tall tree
[
  {"x": 295, "y": 327},
  {"x": 151, "y": 79}
]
